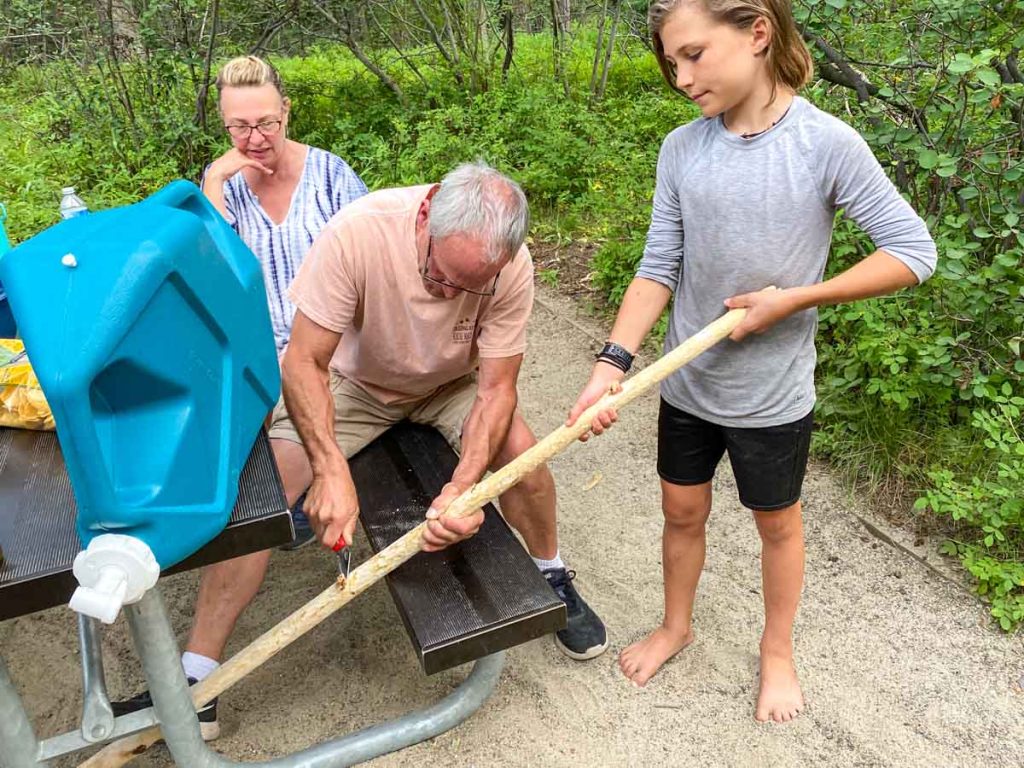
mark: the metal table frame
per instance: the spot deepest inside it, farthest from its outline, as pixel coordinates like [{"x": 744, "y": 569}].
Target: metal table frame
[{"x": 173, "y": 709}]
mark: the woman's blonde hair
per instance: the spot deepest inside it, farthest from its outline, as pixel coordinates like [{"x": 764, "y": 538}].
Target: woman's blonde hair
[
  {"x": 248, "y": 70},
  {"x": 789, "y": 62}
]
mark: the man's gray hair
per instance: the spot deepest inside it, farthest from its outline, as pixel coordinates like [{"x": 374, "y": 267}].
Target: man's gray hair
[{"x": 475, "y": 199}]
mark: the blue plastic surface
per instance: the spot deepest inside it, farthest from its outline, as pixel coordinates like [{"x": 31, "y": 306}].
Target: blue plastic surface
[{"x": 148, "y": 329}]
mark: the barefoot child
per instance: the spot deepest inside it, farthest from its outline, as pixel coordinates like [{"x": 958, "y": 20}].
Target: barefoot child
[{"x": 745, "y": 198}]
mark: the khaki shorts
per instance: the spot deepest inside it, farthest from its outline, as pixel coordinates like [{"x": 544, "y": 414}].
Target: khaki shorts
[{"x": 360, "y": 418}]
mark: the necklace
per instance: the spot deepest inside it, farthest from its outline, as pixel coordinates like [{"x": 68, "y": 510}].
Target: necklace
[{"x": 763, "y": 130}]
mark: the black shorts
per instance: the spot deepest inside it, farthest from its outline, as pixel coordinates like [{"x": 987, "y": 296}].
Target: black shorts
[{"x": 768, "y": 462}]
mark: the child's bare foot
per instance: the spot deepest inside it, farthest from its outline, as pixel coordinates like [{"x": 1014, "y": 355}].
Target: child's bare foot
[
  {"x": 641, "y": 660},
  {"x": 780, "y": 698}
]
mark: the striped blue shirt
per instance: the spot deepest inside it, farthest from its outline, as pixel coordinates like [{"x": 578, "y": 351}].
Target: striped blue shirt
[{"x": 327, "y": 184}]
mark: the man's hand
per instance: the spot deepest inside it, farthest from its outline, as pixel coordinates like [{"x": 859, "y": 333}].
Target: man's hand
[
  {"x": 443, "y": 531},
  {"x": 332, "y": 508},
  {"x": 764, "y": 309},
  {"x": 605, "y": 378},
  {"x": 230, "y": 163}
]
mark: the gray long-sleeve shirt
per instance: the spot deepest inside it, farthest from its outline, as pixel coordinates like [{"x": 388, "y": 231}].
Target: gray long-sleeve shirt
[{"x": 734, "y": 215}]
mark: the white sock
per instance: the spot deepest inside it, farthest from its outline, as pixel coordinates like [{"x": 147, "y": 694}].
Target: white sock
[
  {"x": 198, "y": 666},
  {"x": 547, "y": 565}
]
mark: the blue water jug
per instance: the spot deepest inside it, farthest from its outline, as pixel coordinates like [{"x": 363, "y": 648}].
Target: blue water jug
[{"x": 148, "y": 328}]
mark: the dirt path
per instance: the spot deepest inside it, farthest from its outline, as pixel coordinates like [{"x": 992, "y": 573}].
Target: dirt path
[{"x": 900, "y": 667}]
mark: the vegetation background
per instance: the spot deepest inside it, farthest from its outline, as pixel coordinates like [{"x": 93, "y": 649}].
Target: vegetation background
[{"x": 920, "y": 396}]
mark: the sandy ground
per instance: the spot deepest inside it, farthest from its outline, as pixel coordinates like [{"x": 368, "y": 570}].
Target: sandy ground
[{"x": 899, "y": 666}]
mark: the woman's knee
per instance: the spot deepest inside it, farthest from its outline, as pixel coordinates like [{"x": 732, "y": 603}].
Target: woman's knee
[{"x": 293, "y": 467}]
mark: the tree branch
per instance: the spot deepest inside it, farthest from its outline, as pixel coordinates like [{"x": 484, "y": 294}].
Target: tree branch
[
  {"x": 204, "y": 87},
  {"x": 837, "y": 69},
  {"x": 401, "y": 54},
  {"x": 270, "y": 31},
  {"x": 345, "y": 27}
]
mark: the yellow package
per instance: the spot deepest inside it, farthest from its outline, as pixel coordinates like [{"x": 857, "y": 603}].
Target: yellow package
[{"x": 22, "y": 403}]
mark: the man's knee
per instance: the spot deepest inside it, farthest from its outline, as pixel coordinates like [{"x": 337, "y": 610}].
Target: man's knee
[
  {"x": 538, "y": 483},
  {"x": 519, "y": 440}
]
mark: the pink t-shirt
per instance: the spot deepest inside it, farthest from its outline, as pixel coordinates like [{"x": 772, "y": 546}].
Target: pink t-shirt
[{"x": 361, "y": 279}]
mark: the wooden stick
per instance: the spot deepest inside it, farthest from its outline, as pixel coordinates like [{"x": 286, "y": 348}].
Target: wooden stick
[{"x": 373, "y": 570}]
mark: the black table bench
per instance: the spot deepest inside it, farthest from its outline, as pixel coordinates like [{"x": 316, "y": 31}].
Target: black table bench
[{"x": 475, "y": 598}]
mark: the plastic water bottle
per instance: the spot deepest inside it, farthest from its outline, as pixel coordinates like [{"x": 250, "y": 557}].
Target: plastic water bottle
[{"x": 71, "y": 205}]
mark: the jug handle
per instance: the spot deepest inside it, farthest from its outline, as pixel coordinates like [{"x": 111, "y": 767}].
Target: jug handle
[{"x": 186, "y": 196}]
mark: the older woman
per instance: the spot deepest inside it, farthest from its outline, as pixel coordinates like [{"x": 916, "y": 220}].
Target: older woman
[{"x": 275, "y": 192}]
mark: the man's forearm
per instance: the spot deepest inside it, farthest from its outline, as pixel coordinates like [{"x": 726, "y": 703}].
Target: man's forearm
[
  {"x": 483, "y": 434},
  {"x": 311, "y": 409}
]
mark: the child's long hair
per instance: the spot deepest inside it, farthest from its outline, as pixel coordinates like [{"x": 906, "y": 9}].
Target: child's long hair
[{"x": 789, "y": 61}]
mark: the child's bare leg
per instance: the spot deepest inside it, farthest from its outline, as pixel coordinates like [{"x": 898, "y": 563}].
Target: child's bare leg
[
  {"x": 782, "y": 575},
  {"x": 686, "y": 509}
]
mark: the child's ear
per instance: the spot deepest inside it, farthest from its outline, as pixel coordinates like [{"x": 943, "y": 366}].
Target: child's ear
[{"x": 760, "y": 35}]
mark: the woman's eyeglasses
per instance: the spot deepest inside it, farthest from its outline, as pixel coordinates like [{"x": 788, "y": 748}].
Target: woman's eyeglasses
[{"x": 268, "y": 128}]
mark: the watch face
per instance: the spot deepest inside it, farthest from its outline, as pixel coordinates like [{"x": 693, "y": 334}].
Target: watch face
[{"x": 617, "y": 350}]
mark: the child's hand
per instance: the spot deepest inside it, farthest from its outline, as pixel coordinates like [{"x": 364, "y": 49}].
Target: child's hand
[
  {"x": 605, "y": 378},
  {"x": 764, "y": 309}
]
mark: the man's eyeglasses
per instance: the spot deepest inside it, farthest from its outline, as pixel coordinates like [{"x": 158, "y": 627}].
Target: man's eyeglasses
[
  {"x": 268, "y": 128},
  {"x": 426, "y": 265}
]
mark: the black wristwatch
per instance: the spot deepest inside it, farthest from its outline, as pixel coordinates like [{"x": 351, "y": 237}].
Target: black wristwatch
[{"x": 617, "y": 355}]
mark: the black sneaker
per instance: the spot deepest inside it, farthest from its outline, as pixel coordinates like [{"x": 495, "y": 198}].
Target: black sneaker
[
  {"x": 585, "y": 636},
  {"x": 303, "y": 530},
  {"x": 208, "y": 725}
]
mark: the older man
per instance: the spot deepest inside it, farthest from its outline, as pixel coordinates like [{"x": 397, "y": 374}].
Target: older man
[{"x": 412, "y": 304}]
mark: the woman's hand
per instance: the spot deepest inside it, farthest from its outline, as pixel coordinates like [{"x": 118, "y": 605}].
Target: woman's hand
[
  {"x": 605, "y": 378},
  {"x": 230, "y": 163},
  {"x": 764, "y": 309}
]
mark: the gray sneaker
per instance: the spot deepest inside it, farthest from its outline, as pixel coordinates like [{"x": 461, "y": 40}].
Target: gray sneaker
[{"x": 585, "y": 636}]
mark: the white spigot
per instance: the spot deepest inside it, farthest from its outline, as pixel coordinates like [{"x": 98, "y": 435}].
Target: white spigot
[{"x": 114, "y": 570}]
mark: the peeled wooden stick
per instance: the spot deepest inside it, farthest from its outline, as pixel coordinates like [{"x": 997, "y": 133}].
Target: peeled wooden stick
[{"x": 373, "y": 570}]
